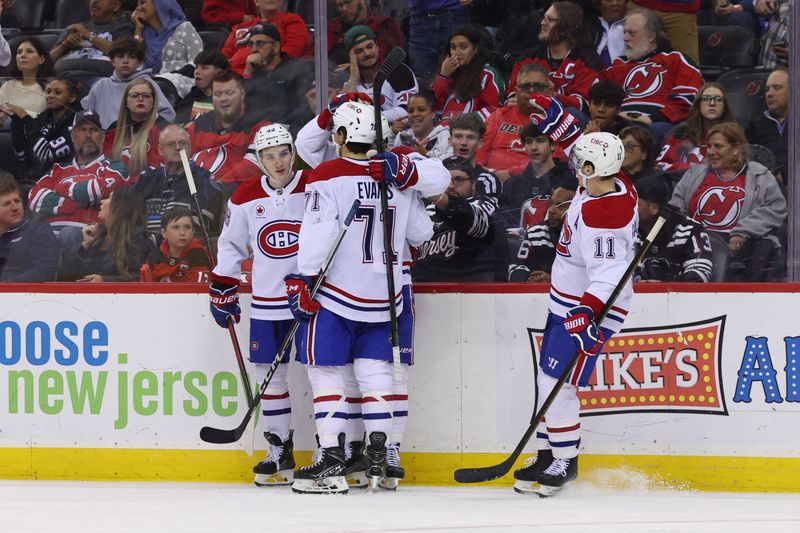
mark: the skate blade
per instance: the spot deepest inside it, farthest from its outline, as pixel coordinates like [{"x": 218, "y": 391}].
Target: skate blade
[
  {"x": 284, "y": 477},
  {"x": 356, "y": 480},
  {"x": 390, "y": 483},
  {"x": 526, "y": 487},
  {"x": 328, "y": 485},
  {"x": 374, "y": 482},
  {"x": 546, "y": 491}
]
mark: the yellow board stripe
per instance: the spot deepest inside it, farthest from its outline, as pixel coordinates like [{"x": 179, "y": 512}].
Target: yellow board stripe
[{"x": 637, "y": 472}]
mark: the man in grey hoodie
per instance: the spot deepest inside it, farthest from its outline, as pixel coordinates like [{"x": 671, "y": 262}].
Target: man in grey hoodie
[{"x": 105, "y": 98}]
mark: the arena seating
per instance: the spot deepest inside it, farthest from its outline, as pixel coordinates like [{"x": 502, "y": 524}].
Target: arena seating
[
  {"x": 723, "y": 48},
  {"x": 745, "y": 88}
]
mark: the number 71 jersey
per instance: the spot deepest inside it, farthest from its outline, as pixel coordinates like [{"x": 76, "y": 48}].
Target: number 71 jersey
[{"x": 597, "y": 244}]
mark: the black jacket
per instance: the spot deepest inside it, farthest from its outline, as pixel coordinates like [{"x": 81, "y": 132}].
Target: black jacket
[
  {"x": 522, "y": 187},
  {"x": 82, "y": 262},
  {"x": 29, "y": 253}
]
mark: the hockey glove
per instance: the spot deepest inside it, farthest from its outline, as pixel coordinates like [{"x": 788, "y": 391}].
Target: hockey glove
[
  {"x": 395, "y": 169},
  {"x": 552, "y": 119},
  {"x": 580, "y": 324},
  {"x": 224, "y": 294},
  {"x": 325, "y": 119},
  {"x": 300, "y": 302}
]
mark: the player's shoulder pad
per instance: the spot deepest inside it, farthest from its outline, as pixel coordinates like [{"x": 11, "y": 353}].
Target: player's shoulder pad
[
  {"x": 335, "y": 169},
  {"x": 612, "y": 211},
  {"x": 248, "y": 191}
]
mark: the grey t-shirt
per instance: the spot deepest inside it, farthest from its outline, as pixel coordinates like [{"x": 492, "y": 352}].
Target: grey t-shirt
[{"x": 110, "y": 31}]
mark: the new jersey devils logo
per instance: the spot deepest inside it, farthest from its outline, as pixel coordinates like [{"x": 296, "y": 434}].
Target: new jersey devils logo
[
  {"x": 718, "y": 208},
  {"x": 644, "y": 80},
  {"x": 562, "y": 248},
  {"x": 279, "y": 239}
]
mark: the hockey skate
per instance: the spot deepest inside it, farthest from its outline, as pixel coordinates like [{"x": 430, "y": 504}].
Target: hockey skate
[
  {"x": 326, "y": 475},
  {"x": 557, "y": 475},
  {"x": 278, "y": 467},
  {"x": 376, "y": 459},
  {"x": 394, "y": 472},
  {"x": 356, "y": 466},
  {"x": 526, "y": 479}
]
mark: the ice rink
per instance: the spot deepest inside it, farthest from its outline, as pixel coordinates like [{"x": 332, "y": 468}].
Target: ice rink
[{"x": 65, "y": 507}]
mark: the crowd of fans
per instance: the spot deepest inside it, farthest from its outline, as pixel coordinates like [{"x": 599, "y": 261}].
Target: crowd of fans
[{"x": 97, "y": 190}]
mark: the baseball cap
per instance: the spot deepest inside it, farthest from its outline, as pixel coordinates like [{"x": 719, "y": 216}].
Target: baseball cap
[
  {"x": 87, "y": 116},
  {"x": 265, "y": 29},
  {"x": 457, "y": 162},
  {"x": 357, "y": 35},
  {"x": 653, "y": 189}
]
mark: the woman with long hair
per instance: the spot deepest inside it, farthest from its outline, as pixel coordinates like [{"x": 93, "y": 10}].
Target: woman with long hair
[
  {"x": 466, "y": 83},
  {"x": 23, "y": 95},
  {"x": 738, "y": 202},
  {"x": 47, "y": 137},
  {"x": 423, "y": 133},
  {"x": 116, "y": 247},
  {"x": 133, "y": 138},
  {"x": 686, "y": 144}
]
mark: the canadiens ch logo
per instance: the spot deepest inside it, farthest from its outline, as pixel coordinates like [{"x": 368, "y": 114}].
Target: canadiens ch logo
[
  {"x": 644, "y": 80},
  {"x": 562, "y": 248},
  {"x": 719, "y": 207},
  {"x": 279, "y": 239}
]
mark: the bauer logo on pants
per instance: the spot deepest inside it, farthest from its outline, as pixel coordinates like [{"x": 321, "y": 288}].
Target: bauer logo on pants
[{"x": 673, "y": 368}]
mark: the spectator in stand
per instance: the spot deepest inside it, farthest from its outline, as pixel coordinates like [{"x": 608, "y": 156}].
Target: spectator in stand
[
  {"x": 605, "y": 101},
  {"x": 609, "y": 31},
  {"x": 275, "y": 83},
  {"x": 537, "y": 251},
  {"x": 775, "y": 41},
  {"x": 423, "y": 134},
  {"x": 47, "y": 137},
  {"x": 23, "y": 95},
  {"x": 86, "y": 45},
  {"x": 29, "y": 251},
  {"x": 469, "y": 242},
  {"x": 69, "y": 196},
  {"x": 466, "y": 132},
  {"x": 640, "y": 154},
  {"x": 659, "y": 84},
  {"x": 770, "y": 129},
  {"x": 686, "y": 144},
  {"x": 228, "y": 12},
  {"x": 729, "y": 13},
  {"x": 5, "y": 50},
  {"x": 365, "y": 60},
  {"x": 566, "y": 53},
  {"x": 115, "y": 247},
  {"x": 539, "y": 177},
  {"x": 295, "y": 39},
  {"x": 222, "y": 137},
  {"x": 133, "y": 137},
  {"x": 738, "y": 202},
  {"x": 206, "y": 65},
  {"x": 466, "y": 83},
  {"x": 166, "y": 187},
  {"x": 105, "y": 96},
  {"x": 181, "y": 257},
  {"x": 682, "y": 249},
  {"x": 430, "y": 23},
  {"x": 171, "y": 40},
  {"x": 679, "y": 21},
  {"x": 356, "y": 13}
]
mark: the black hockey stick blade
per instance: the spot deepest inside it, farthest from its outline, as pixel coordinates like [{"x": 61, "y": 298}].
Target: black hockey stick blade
[
  {"x": 393, "y": 59},
  {"x": 226, "y": 436}
]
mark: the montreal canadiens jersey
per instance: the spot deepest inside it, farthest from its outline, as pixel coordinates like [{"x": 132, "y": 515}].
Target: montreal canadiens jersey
[
  {"x": 596, "y": 246},
  {"x": 267, "y": 221}
]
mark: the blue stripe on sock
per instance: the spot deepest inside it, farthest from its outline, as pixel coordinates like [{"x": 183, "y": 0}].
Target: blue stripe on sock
[
  {"x": 541, "y": 435},
  {"x": 376, "y": 416},
  {"x": 566, "y": 444},
  {"x": 334, "y": 415},
  {"x": 276, "y": 412},
  {"x": 400, "y": 413}
]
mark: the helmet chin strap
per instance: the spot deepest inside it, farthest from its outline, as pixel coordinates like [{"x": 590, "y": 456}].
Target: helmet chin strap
[{"x": 583, "y": 179}]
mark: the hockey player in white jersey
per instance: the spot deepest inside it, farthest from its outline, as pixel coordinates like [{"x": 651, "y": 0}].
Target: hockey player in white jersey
[
  {"x": 264, "y": 215},
  {"x": 350, "y": 321},
  {"x": 596, "y": 246}
]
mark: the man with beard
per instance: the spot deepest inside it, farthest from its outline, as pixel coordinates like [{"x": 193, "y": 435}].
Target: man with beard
[
  {"x": 220, "y": 138},
  {"x": 537, "y": 251},
  {"x": 354, "y": 13},
  {"x": 365, "y": 60},
  {"x": 69, "y": 196}
]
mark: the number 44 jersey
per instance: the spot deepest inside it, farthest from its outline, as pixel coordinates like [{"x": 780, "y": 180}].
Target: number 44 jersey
[{"x": 597, "y": 244}]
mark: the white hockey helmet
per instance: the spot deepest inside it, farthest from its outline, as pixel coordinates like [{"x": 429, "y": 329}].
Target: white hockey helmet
[
  {"x": 603, "y": 150},
  {"x": 272, "y": 135},
  {"x": 358, "y": 121}
]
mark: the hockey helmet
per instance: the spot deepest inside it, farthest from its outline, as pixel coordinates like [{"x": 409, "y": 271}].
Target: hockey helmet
[
  {"x": 358, "y": 121},
  {"x": 603, "y": 150},
  {"x": 269, "y": 137}
]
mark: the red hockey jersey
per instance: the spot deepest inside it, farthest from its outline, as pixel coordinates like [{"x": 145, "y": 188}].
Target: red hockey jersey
[
  {"x": 678, "y": 153},
  {"x": 501, "y": 148},
  {"x": 449, "y": 105}
]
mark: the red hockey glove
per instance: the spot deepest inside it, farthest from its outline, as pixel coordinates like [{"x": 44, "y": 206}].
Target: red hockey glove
[
  {"x": 325, "y": 119},
  {"x": 224, "y": 294},
  {"x": 300, "y": 302},
  {"x": 395, "y": 169},
  {"x": 580, "y": 324},
  {"x": 552, "y": 119}
]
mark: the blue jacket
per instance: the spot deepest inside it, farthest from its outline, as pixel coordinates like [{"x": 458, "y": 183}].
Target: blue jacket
[
  {"x": 420, "y": 7},
  {"x": 29, "y": 253}
]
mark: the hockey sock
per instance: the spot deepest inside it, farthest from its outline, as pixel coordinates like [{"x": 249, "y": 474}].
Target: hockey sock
[
  {"x": 375, "y": 382},
  {"x": 355, "y": 425},
  {"x": 399, "y": 399},
  {"x": 330, "y": 407},
  {"x": 276, "y": 406},
  {"x": 563, "y": 423}
]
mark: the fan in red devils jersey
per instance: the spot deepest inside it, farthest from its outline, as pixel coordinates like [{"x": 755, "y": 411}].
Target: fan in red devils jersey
[
  {"x": 738, "y": 202},
  {"x": 566, "y": 53},
  {"x": 181, "y": 257}
]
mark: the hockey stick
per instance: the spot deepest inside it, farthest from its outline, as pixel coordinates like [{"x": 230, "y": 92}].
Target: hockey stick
[
  {"x": 392, "y": 61},
  {"x": 237, "y": 350},
  {"x": 488, "y": 473},
  {"x": 225, "y": 436}
]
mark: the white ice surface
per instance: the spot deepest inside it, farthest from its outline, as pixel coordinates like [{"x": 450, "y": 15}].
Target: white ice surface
[{"x": 116, "y": 507}]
